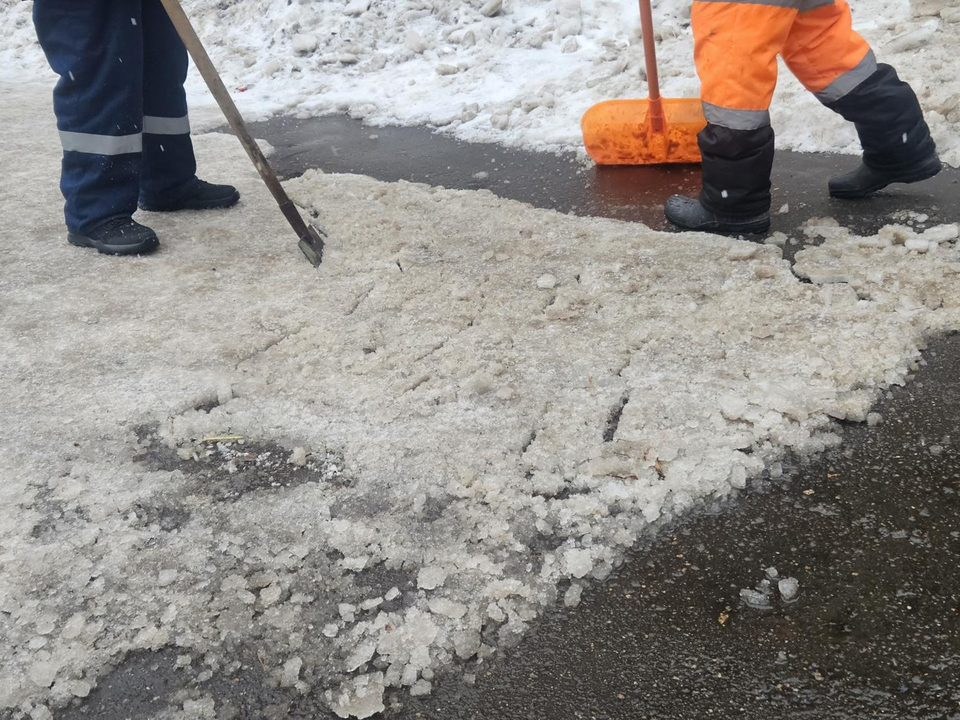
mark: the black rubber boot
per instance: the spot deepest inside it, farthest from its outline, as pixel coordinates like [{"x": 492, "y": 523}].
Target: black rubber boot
[
  {"x": 865, "y": 179},
  {"x": 896, "y": 141},
  {"x": 199, "y": 195},
  {"x": 688, "y": 214},
  {"x": 120, "y": 236}
]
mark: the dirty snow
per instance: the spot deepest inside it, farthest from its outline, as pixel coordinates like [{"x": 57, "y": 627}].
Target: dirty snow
[
  {"x": 519, "y": 72},
  {"x": 435, "y": 443}
]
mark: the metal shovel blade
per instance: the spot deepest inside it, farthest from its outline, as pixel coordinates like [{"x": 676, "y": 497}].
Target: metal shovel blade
[
  {"x": 625, "y": 132},
  {"x": 312, "y": 244}
]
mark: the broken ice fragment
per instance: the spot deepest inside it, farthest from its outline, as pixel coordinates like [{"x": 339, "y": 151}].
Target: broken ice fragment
[
  {"x": 269, "y": 595},
  {"x": 491, "y": 8},
  {"x": 742, "y": 251},
  {"x": 546, "y": 281},
  {"x": 291, "y": 672},
  {"x": 74, "y": 626},
  {"x": 304, "y": 44},
  {"x": 421, "y": 687},
  {"x": 578, "y": 562},
  {"x": 431, "y": 577},
  {"x": 46, "y": 625},
  {"x": 298, "y": 457},
  {"x": 789, "y": 588},
  {"x": 448, "y": 608},
  {"x": 331, "y": 630},
  {"x": 733, "y": 407},
  {"x": 361, "y": 655},
  {"x": 371, "y": 603},
  {"x": 755, "y": 599},
  {"x": 571, "y": 598},
  {"x": 360, "y": 697},
  {"x": 80, "y": 688},
  {"x": 43, "y": 673}
]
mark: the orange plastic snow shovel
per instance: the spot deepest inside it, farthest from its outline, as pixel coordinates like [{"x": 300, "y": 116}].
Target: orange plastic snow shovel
[{"x": 644, "y": 132}]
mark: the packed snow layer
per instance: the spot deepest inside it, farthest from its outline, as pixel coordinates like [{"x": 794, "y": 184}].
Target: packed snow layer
[
  {"x": 487, "y": 405},
  {"x": 518, "y": 72}
]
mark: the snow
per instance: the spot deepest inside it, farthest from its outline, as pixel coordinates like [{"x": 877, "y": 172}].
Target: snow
[
  {"x": 519, "y": 73},
  {"x": 468, "y": 506}
]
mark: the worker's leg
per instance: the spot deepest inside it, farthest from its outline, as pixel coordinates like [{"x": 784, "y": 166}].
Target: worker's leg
[
  {"x": 736, "y": 48},
  {"x": 836, "y": 64},
  {"x": 168, "y": 161},
  {"x": 169, "y": 180},
  {"x": 95, "y": 48}
]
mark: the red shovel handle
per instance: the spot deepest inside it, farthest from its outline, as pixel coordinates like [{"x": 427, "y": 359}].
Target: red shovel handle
[{"x": 650, "y": 54}]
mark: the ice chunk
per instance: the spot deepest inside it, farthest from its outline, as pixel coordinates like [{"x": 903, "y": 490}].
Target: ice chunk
[
  {"x": 298, "y": 457},
  {"x": 755, "y": 599},
  {"x": 80, "y": 688},
  {"x": 466, "y": 643},
  {"x": 46, "y": 624},
  {"x": 742, "y": 251},
  {"x": 578, "y": 562},
  {"x": 942, "y": 233},
  {"x": 431, "y": 577},
  {"x": 448, "y": 608},
  {"x": 347, "y": 611},
  {"x": 546, "y": 281},
  {"x": 303, "y": 43},
  {"x": 270, "y": 595},
  {"x": 291, "y": 672},
  {"x": 74, "y": 626},
  {"x": 41, "y": 712},
  {"x": 43, "y": 672},
  {"x": 414, "y": 42},
  {"x": 361, "y": 655},
  {"x": 733, "y": 407},
  {"x": 331, "y": 630},
  {"x": 789, "y": 587},
  {"x": 360, "y": 697},
  {"x": 355, "y": 8},
  {"x": 571, "y": 598},
  {"x": 421, "y": 687},
  {"x": 491, "y": 8}
]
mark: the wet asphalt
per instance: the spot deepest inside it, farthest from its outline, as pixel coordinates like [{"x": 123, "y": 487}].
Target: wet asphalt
[{"x": 870, "y": 531}]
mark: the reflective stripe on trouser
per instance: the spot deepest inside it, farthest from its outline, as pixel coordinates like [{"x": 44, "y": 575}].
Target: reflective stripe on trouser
[
  {"x": 736, "y": 46},
  {"x": 120, "y": 104}
]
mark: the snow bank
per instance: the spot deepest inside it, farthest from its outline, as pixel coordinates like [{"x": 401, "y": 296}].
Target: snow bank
[
  {"x": 461, "y": 444},
  {"x": 519, "y": 72}
]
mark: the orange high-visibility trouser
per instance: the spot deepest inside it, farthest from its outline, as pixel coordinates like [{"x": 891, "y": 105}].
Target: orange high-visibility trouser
[{"x": 736, "y": 48}]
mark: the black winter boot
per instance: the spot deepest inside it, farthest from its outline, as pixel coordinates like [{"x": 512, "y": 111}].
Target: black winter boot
[
  {"x": 736, "y": 170},
  {"x": 688, "y": 214},
  {"x": 896, "y": 141},
  {"x": 120, "y": 236},
  {"x": 865, "y": 179},
  {"x": 198, "y": 195}
]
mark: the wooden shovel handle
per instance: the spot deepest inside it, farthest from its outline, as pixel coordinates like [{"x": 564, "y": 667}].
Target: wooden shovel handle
[{"x": 212, "y": 78}]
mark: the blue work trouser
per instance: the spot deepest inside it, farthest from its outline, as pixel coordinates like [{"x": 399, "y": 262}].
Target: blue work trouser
[{"x": 120, "y": 105}]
